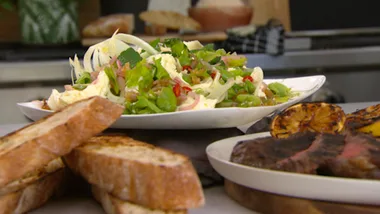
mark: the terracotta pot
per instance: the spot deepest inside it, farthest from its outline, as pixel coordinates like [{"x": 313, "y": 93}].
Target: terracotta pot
[{"x": 220, "y": 18}]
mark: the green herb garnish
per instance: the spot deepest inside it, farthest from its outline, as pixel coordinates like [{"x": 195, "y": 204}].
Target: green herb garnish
[{"x": 129, "y": 56}]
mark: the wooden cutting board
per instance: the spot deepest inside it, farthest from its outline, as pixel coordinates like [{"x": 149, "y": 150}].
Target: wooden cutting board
[
  {"x": 201, "y": 37},
  {"x": 267, "y": 203}
]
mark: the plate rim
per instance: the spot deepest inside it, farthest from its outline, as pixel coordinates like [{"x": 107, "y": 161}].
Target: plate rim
[{"x": 212, "y": 148}]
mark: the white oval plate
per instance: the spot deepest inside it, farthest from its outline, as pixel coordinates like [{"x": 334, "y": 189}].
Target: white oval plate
[
  {"x": 315, "y": 187},
  {"x": 202, "y": 119}
]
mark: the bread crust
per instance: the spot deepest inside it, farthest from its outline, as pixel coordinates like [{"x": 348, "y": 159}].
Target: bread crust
[
  {"x": 113, "y": 205},
  {"x": 32, "y": 177},
  {"x": 170, "y": 20},
  {"x": 41, "y": 146},
  {"x": 107, "y": 25},
  {"x": 32, "y": 196},
  {"x": 164, "y": 187}
]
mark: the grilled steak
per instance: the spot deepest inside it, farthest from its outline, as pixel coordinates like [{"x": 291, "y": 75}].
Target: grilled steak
[
  {"x": 360, "y": 158},
  {"x": 267, "y": 152},
  {"x": 354, "y": 155},
  {"x": 323, "y": 150}
]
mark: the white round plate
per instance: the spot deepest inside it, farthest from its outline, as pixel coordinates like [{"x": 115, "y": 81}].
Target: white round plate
[
  {"x": 315, "y": 187},
  {"x": 202, "y": 119}
]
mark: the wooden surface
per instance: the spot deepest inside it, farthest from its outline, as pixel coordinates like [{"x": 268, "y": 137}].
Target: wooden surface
[
  {"x": 267, "y": 9},
  {"x": 267, "y": 203},
  {"x": 203, "y": 37}
]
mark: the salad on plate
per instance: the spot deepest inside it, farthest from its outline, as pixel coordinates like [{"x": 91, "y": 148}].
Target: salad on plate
[{"x": 166, "y": 76}]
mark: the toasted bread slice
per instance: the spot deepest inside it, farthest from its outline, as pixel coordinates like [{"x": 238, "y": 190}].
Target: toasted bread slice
[
  {"x": 106, "y": 26},
  {"x": 16, "y": 185},
  {"x": 113, "y": 205},
  {"x": 34, "y": 146},
  {"x": 33, "y": 195},
  {"x": 170, "y": 20},
  {"x": 138, "y": 172}
]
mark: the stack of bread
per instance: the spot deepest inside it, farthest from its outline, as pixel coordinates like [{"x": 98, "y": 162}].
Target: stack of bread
[{"x": 127, "y": 176}]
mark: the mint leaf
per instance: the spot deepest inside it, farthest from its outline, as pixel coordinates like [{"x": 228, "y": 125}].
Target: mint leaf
[{"x": 129, "y": 56}]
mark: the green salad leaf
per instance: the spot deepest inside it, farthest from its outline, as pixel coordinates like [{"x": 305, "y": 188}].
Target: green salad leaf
[
  {"x": 115, "y": 89},
  {"x": 129, "y": 56},
  {"x": 143, "y": 106},
  {"x": 208, "y": 56},
  {"x": 155, "y": 44},
  {"x": 179, "y": 50},
  {"x": 171, "y": 42},
  {"x": 85, "y": 78},
  {"x": 140, "y": 76},
  {"x": 167, "y": 100},
  {"x": 161, "y": 71},
  {"x": 208, "y": 47}
]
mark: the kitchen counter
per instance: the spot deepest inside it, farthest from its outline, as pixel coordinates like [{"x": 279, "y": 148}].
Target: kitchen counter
[
  {"x": 349, "y": 57},
  {"x": 216, "y": 200}
]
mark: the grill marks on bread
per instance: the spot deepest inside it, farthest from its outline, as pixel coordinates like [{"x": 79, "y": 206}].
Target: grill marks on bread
[
  {"x": 32, "y": 147},
  {"x": 138, "y": 172}
]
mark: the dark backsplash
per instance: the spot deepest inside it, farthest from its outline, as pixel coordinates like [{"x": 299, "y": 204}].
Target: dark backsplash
[
  {"x": 333, "y": 14},
  {"x": 18, "y": 52}
]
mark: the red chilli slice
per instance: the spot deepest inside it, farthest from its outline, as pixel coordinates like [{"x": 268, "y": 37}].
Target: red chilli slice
[
  {"x": 177, "y": 90},
  {"x": 247, "y": 78}
]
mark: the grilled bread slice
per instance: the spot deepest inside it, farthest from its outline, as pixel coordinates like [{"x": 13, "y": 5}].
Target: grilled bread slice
[
  {"x": 113, "y": 205},
  {"x": 16, "y": 185},
  {"x": 33, "y": 195},
  {"x": 32, "y": 147},
  {"x": 138, "y": 172}
]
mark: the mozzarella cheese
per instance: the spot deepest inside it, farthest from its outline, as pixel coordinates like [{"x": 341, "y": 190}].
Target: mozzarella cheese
[{"x": 100, "y": 87}]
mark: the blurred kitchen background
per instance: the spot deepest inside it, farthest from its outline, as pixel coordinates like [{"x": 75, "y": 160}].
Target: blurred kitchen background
[{"x": 340, "y": 39}]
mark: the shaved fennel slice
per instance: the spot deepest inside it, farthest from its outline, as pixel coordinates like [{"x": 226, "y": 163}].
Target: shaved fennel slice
[
  {"x": 95, "y": 60},
  {"x": 72, "y": 75},
  {"x": 205, "y": 86},
  {"x": 76, "y": 65},
  {"x": 217, "y": 90},
  {"x": 113, "y": 98},
  {"x": 102, "y": 52},
  {"x": 136, "y": 41},
  {"x": 145, "y": 55},
  {"x": 87, "y": 58}
]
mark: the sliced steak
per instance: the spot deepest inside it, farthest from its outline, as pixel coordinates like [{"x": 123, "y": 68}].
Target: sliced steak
[
  {"x": 323, "y": 150},
  {"x": 267, "y": 152},
  {"x": 360, "y": 158}
]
